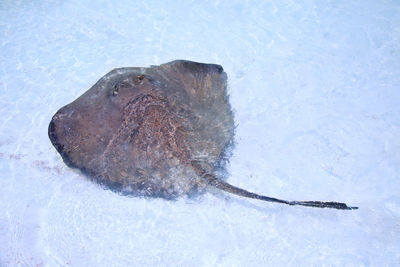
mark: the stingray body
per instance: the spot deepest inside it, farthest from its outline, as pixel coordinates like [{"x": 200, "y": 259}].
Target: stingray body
[{"x": 157, "y": 132}]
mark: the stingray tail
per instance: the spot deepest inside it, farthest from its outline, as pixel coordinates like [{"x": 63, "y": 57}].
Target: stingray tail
[{"x": 220, "y": 184}]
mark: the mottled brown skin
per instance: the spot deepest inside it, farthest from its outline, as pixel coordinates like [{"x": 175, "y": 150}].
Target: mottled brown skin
[
  {"x": 157, "y": 132},
  {"x": 138, "y": 130}
]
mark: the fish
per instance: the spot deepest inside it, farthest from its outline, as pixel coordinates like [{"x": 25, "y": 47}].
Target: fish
[{"x": 162, "y": 131}]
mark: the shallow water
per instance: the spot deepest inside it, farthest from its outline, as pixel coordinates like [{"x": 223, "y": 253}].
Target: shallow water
[{"x": 315, "y": 89}]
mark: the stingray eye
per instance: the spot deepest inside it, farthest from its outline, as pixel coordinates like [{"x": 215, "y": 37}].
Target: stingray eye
[
  {"x": 139, "y": 79},
  {"x": 115, "y": 91}
]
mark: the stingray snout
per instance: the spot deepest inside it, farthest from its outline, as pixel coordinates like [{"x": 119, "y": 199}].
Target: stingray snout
[{"x": 61, "y": 132}]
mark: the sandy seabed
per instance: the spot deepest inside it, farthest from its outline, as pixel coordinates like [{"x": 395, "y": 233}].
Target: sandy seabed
[{"x": 316, "y": 91}]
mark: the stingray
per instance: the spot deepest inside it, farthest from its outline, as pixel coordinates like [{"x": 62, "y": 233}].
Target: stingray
[{"x": 161, "y": 131}]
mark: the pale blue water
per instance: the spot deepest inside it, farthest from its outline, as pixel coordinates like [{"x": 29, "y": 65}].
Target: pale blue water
[{"x": 315, "y": 86}]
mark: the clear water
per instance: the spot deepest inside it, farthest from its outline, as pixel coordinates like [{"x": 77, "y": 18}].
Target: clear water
[{"x": 315, "y": 86}]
